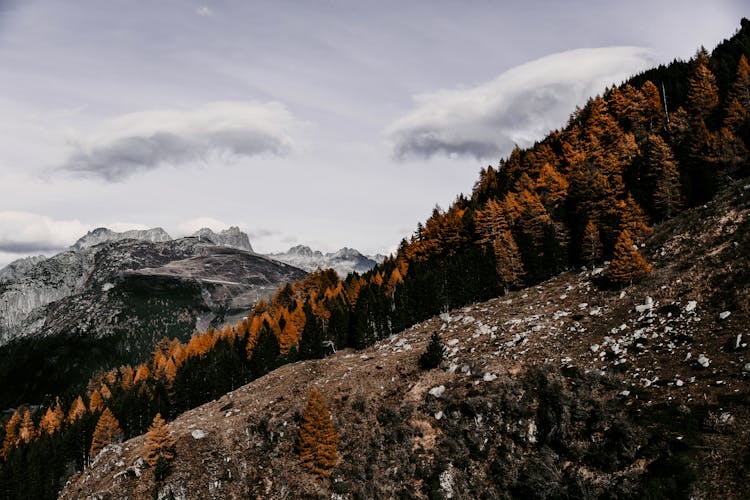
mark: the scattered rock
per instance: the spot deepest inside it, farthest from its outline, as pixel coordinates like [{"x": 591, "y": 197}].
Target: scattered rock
[
  {"x": 690, "y": 307},
  {"x": 198, "y": 434},
  {"x": 703, "y": 361},
  {"x": 724, "y": 315},
  {"x": 437, "y": 391}
]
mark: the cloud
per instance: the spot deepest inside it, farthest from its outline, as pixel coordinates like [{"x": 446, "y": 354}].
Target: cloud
[
  {"x": 24, "y": 232},
  {"x": 146, "y": 140},
  {"x": 204, "y": 11},
  {"x": 518, "y": 107}
]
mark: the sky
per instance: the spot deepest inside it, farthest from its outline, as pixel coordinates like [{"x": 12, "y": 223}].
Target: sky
[{"x": 325, "y": 123}]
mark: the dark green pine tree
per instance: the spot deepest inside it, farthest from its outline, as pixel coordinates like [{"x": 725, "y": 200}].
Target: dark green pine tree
[
  {"x": 433, "y": 356},
  {"x": 311, "y": 341},
  {"x": 266, "y": 352}
]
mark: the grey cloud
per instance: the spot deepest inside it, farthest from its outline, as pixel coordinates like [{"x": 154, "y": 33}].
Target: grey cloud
[
  {"x": 29, "y": 248},
  {"x": 129, "y": 155},
  {"x": 147, "y": 140},
  {"x": 517, "y": 107}
]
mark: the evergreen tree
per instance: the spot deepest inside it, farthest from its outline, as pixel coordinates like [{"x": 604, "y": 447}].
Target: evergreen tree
[
  {"x": 159, "y": 443},
  {"x": 318, "y": 440},
  {"x": 661, "y": 169},
  {"x": 107, "y": 431},
  {"x": 627, "y": 265},
  {"x": 266, "y": 352},
  {"x": 433, "y": 355},
  {"x": 703, "y": 94}
]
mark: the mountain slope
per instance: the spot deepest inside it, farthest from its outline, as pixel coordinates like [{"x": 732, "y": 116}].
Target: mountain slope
[
  {"x": 109, "y": 304},
  {"x": 557, "y": 390}
]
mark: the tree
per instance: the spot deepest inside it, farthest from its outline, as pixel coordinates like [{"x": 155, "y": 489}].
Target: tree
[
  {"x": 77, "y": 410},
  {"x": 627, "y": 265},
  {"x": 591, "y": 248},
  {"x": 27, "y": 432},
  {"x": 96, "y": 403},
  {"x": 52, "y": 420},
  {"x": 318, "y": 440},
  {"x": 741, "y": 87},
  {"x": 703, "y": 94},
  {"x": 107, "y": 431},
  {"x": 432, "y": 357},
  {"x": 11, "y": 433},
  {"x": 661, "y": 169},
  {"x": 159, "y": 443}
]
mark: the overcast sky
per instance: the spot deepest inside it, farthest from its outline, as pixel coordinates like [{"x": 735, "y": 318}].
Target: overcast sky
[{"x": 326, "y": 123}]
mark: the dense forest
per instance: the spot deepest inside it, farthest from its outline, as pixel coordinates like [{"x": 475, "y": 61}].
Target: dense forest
[{"x": 665, "y": 140}]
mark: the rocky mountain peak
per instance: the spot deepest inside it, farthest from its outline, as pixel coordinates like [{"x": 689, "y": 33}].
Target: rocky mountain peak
[
  {"x": 231, "y": 237},
  {"x": 16, "y": 269},
  {"x": 103, "y": 234}
]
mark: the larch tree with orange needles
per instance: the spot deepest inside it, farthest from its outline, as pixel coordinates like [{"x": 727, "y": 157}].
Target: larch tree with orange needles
[
  {"x": 107, "y": 431},
  {"x": 627, "y": 265},
  {"x": 318, "y": 440},
  {"x": 159, "y": 443}
]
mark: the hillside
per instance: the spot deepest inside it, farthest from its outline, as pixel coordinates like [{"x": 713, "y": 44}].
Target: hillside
[
  {"x": 560, "y": 390},
  {"x": 109, "y": 301}
]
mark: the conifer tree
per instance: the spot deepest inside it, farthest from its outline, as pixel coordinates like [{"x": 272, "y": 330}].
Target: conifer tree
[
  {"x": 159, "y": 443},
  {"x": 318, "y": 440},
  {"x": 77, "y": 410},
  {"x": 434, "y": 353},
  {"x": 741, "y": 87},
  {"x": 661, "y": 169},
  {"x": 107, "y": 431},
  {"x": 703, "y": 94},
  {"x": 11, "y": 433},
  {"x": 627, "y": 265},
  {"x": 27, "y": 432},
  {"x": 96, "y": 403},
  {"x": 591, "y": 248},
  {"x": 52, "y": 420}
]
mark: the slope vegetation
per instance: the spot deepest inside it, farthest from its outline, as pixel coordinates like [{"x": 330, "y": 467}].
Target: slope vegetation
[{"x": 561, "y": 390}]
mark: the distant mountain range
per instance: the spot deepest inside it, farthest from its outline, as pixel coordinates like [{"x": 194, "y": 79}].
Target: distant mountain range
[
  {"x": 343, "y": 261},
  {"x": 118, "y": 293}
]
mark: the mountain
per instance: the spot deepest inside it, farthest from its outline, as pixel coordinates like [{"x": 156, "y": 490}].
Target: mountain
[
  {"x": 562, "y": 389},
  {"x": 343, "y": 261},
  {"x": 16, "y": 269},
  {"x": 117, "y": 297},
  {"x": 103, "y": 235},
  {"x": 591, "y": 295},
  {"x": 231, "y": 237}
]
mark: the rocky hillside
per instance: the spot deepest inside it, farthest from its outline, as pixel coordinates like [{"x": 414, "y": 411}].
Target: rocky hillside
[
  {"x": 109, "y": 303},
  {"x": 562, "y": 390},
  {"x": 343, "y": 261}
]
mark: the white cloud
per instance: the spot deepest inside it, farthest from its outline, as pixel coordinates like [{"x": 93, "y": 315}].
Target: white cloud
[
  {"x": 204, "y": 11},
  {"x": 149, "y": 139},
  {"x": 518, "y": 107},
  {"x": 25, "y": 232}
]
